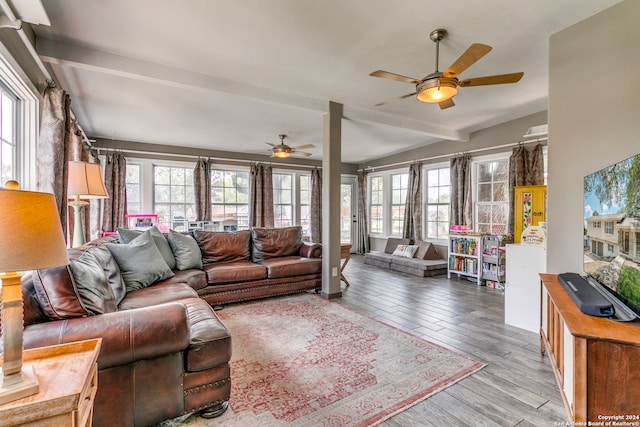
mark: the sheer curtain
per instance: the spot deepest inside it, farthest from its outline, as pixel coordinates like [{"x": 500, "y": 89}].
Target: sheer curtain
[
  {"x": 413, "y": 204},
  {"x": 53, "y": 149},
  {"x": 461, "y": 203},
  {"x": 316, "y": 206},
  {"x": 115, "y": 207},
  {"x": 362, "y": 233},
  {"x": 202, "y": 189},
  {"x": 525, "y": 168},
  {"x": 260, "y": 196}
]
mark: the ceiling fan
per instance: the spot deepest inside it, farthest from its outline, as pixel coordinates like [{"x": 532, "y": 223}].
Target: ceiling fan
[
  {"x": 440, "y": 87},
  {"x": 283, "y": 151}
]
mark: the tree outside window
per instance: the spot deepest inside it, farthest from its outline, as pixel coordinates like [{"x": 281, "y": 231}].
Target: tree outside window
[
  {"x": 174, "y": 198},
  {"x": 230, "y": 196}
]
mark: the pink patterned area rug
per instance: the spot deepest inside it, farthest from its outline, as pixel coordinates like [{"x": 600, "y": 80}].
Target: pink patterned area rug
[{"x": 305, "y": 361}]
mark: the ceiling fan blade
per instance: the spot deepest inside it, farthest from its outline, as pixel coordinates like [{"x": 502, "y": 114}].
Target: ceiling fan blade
[
  {"x": 446, "y": 104},
  {"x": 303, "y": 153},
  {"x": 302, "y": 147},
  {"x": 268, "y": 143},
  {"x": 388, "y": 101},
  {"x": 394, "y": 76},
  {"x": 492, "y": 80},
  {"x": 467, "y": 59}
]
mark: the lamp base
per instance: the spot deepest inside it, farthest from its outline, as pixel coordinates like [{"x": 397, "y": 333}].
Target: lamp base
[{"x": 19, "y": 385}]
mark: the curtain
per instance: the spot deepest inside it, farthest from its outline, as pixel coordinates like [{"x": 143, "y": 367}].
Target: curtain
[
  {"x": 202, "y": 189},
  {"x": 461, "y": 203},
  {"x": 413, "y": 204},
  {"x": 362, "y": 233},
  {"x": 260, "y": 196},
  {"x": 316, "y": 206},
  {"x": 525, "y": 168},
  {"x": 53, "y": 149},
  {"x": 115, "y": 207}
]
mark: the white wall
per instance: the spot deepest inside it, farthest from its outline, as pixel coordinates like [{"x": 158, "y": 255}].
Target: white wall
[{"x": 594, "y": 117}]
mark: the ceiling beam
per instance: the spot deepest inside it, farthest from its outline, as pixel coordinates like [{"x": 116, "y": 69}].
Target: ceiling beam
[{"x": 68, "y": 55}]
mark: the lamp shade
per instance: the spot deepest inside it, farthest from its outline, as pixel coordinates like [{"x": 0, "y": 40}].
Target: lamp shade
[
  {"x": 436, "y": 90},
  {"x": 30, "y": 231},
  {"x": 85, "y": 181}
]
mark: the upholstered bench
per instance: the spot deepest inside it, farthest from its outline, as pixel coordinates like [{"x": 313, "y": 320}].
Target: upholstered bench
[{"x": 424, "y": 262}]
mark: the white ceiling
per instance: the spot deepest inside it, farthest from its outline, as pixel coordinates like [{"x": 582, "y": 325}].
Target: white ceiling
[{"x": 230, "y": 75}]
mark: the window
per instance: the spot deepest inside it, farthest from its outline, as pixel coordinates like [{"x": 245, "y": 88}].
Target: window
[
  {"x": 596, "y": 224},
  {"x": 608, "y": 227},
  {"x": 437, "y": 204},
  {"x": 283, "y": 199},
  {"x": 8, "y": 127},
  {"x": 492, "y": 207},
  {"x": 133, "y": 188},
  {"x": 399, "y": 184},
  {"x": 305, "y": 205},
  {"x": 173, "y": 195},
  {"x": 376, "y": 205},
  {"x": 230, "y": 196}
]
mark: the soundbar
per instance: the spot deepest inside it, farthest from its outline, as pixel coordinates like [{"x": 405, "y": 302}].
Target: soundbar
[{"x": 586, "y": 297}]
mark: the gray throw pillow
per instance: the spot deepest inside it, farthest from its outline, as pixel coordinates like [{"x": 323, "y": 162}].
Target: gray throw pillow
[
  {"x": 126, "y": 236},
  {"x": 186, "y": 251},
  {"x": 140, "y": 262}
]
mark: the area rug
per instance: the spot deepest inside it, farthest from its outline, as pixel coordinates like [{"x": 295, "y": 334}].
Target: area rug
[{"x": 305, "y": 361}]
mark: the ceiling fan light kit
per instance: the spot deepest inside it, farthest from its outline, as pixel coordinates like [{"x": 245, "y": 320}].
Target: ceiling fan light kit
[
  {"x": 283, "y": 151},
  {"x": 440, "y": 87}
]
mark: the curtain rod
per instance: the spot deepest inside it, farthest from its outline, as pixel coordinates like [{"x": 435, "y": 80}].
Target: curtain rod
[
  {"x": 443, "y": 156},
  {"x": 103, "y": 150},
  {"x": 17, "y": 25}
]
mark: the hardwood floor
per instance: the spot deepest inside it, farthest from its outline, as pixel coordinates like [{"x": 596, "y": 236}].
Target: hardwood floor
[{"x": 516, "y": 388}]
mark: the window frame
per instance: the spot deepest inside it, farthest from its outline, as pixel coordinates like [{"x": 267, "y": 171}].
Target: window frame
[
  {"x": 425, "y": 208},
  {"x": 504, "y": 156},
  {"x": 380, "y": 205},
  {"x": 154, "y": 203},
  {"x": 242, "y": 221}
]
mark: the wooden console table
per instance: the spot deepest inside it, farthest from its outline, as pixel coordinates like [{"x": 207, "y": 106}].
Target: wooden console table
[
  {"x": 345, "y": 253},
  {"x": 68, "y": 379},
  {"x": 596, "y": 361}
]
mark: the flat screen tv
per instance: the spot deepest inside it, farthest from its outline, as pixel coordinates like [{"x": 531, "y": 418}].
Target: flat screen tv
[{"x": 612, "y": 234}]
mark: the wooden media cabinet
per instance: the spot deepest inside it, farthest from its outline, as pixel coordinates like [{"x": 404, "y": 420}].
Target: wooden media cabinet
[{"x": 596, "y": 360}]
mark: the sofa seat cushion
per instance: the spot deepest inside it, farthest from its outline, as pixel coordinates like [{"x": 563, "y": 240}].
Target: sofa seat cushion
[
  {"x": 197, "y": 279},
  {"x": 154, "y": 295},
  {"x": 210, "y": 342},
  {"x": 288, "y": 266},
  {"x": 423, "y": 264},
  {"x": 237, "y": 271}
]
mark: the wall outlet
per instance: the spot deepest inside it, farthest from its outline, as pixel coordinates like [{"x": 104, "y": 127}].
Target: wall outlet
[{"x": 334, "y": 271}]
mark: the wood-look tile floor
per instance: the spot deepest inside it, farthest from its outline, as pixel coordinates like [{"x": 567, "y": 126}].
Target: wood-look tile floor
[{"x": 516, "y": 388}]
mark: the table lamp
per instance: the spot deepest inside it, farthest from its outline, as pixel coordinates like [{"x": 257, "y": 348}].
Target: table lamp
[
  {"x": 84, "y": 182},
  {"x": 30, "y": 238}
]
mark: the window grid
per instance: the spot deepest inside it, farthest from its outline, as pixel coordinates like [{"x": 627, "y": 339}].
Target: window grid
[
  {"x": 305, "y": 205},
  {"x": 283, "y": 199},
  {"x": 399, "y": 184},
  {"x": 132, "y": 183},
  {"x": 174, "y": 196},
  {"x": 438, "y": 203},
  {"x": 492, "y": 206},
  {"x": 608, "y": 227},
  {"x": 8, "y": 127},
  {"x": 376, "y": 214},
  {"x": 230, "y": 196}
]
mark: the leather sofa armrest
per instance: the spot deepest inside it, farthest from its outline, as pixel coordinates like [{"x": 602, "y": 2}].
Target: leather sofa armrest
[
  {"x": 311, "y": 250},
  {"x": 127, "y": 335}
]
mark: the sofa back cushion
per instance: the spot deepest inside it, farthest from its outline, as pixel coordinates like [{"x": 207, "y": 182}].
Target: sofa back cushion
[
  {"x": 392, "y": 244},
  {"x": 275, "y": 242},
  {"x": 223, "y": 246}
]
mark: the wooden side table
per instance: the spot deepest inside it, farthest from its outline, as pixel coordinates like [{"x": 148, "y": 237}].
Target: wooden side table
[
  {"x": 68, "y": 378},
  {"x": 345, "y": 253}
]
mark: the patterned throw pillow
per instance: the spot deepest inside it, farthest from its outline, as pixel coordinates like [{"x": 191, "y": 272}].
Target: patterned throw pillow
[{"x": 405, "y": 251}]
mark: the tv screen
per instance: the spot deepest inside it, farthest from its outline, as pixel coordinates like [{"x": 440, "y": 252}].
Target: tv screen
[{"x": 612, "y": 229}]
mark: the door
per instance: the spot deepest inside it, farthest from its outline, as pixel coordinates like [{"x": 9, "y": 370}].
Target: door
[{"x": 347, "y": 210}]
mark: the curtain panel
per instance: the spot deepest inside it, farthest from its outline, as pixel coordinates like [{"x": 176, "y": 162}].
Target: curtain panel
[
  {"x": 413, "y": 204},
  {"x": 525, "y": 168},
  {"x": 115, "y": 207},
  {"x": 316, "y": 206},
  {"x": 53, "y": 149},
  {"x": 362, "y": 232},
  {"x": 202, "y": 189},
  {"x": 461, "y": 203},
  {"x": 260, "y": 196}
]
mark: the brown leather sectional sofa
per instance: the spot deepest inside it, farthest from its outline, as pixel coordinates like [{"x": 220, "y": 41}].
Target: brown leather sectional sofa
[{"x": 164, "y": 351}]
